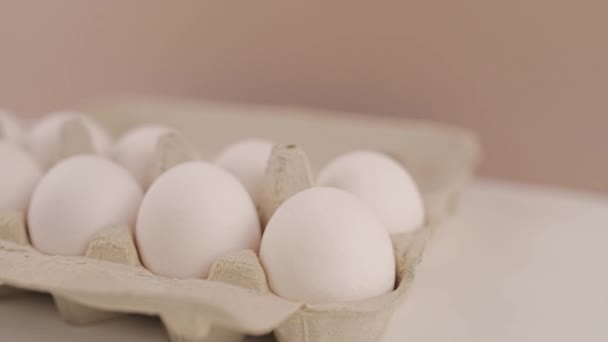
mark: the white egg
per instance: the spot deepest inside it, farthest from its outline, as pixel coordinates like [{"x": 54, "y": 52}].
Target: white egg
[
  {"x": 19, "y": 174},
  {"x": 11, "y": 129},
  {"x": 382, "y": 183},
  {"x": 192, "y": 215},
  {"x": 44, "y": 138},
  {"x": 247, "y": 161},
  {"x": 77, "y": 198},
  {"x": 323, "y": 245},
  {"x": 136, "y": 151}
]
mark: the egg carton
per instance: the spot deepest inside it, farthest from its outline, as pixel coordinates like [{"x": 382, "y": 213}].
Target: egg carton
[{"x": 235, "y": 300}]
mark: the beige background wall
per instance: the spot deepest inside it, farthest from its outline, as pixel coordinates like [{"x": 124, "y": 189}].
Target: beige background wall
[{"x": 531, "y": 76}]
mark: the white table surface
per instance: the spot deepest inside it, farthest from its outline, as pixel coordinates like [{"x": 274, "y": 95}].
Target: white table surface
[{"x": 518, "y": 263}]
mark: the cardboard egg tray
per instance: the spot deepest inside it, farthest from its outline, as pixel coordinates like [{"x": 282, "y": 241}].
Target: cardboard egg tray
[{"x": 235, "y": 300}]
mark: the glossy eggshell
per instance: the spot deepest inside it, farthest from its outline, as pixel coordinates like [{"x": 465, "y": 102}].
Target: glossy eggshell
[
  {"x": 382, "y": 183},
  {"x": 77, "y": 198},
  {"x": 192, "y": 215},
  {"x": 323, "y": 245}
]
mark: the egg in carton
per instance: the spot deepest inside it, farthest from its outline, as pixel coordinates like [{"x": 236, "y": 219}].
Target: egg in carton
[{"x": 235, "y": 299}]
